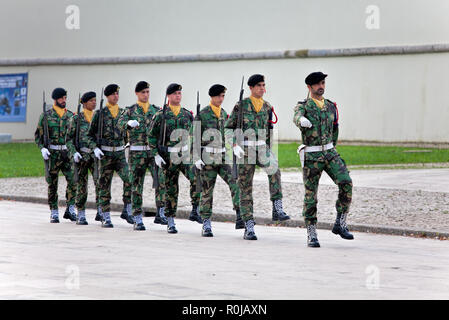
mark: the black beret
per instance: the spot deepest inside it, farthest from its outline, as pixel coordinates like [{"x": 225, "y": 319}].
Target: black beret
[
  {"x": 58, "y": 93},
  {"x": 87, "y": 96},
  {"x": 141, "y": 85},
  {"x": 255, "y": 79},
  {"x": 173, "y": 87},
  {"x": 315, "y": 77},
  {"x": 110, "y": 89},
  {"x": 216, "y": 90}
]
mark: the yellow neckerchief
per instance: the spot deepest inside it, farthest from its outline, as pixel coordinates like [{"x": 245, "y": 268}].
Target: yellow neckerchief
[
  {"x": 257, "y": 103},
  {"x": 175, "y": 109},
  {"x": 113, "y": 109},
  {"x": 144, "y": 106},
  {"x": 59, "y": 111},
  {"x": 88, "y": 114},
  {"x": 319, "y": 103},
  {"x": 216, "y": 110}
]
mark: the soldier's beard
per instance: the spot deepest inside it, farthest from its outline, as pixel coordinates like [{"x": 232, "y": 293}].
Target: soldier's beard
[{"x": 61, "y": 105}]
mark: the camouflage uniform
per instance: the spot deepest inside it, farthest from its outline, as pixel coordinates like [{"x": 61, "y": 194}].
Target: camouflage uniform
[
  {"x": 265, "y": 157},
  {"x": 216, "y": 163},
  {"x": 113, "y": 136},
  {"x": 86, "y": 164},
  {"x": 324, "y": 130},
  {"x": 171, "y": 170},
  {"x": 140, "y": 161},
  {"x": 59, "y": 159}
]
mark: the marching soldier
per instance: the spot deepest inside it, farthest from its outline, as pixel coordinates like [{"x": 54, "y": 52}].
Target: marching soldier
[
  {"x": 252, "y": 115},
  {"x": 317, "y": 118},
  {"x": 111, "y": 155},
  {"x": 213, "y": 117},
  {"x": 84, "y": 157},
  {"x": 136, "y": 120},
  {"x": 174, "y": 156},
  {"x": 51, "y": 137}
]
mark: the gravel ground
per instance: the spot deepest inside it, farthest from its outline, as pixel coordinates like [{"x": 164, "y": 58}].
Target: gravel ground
[{"x": 387, "y": 207}]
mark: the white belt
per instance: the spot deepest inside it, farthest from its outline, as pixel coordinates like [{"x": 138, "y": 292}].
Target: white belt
[
  {"x": 139, "y": 148},
  {"x": 112, "y": 149},
  {"x": 177, "y": 149},
  {"x": 215, "y": 150},
  {"x": 254, "y": 143},
  {"x": 87, "y": 150},
  {"x": 302, "y": 149},
  {"x": 57, "y": 147}
]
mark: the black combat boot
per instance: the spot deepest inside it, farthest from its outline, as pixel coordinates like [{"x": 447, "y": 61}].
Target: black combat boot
[
  {"x": 81, "y": 219},
  {"x": 194, "y": 214},
  {"x": 138, "y": 223},
  {"x": 207, "y": 229},
  {"x": 127, "y": 213},
  {"x": 312, "y": 237},
  {"x": 249, "y": 231},
  {"x": 341, "y": 228},
  {"x": 239, "y": 223},
  {"x": 54, "y": 217},
  {"x": 278, "y": 212},
  {"x": 171, "y": 225},
  {"x": 160, "y": 217},
  {"x": 106, "y": 222},
  {"x": 70, "y": 213},
  {"x": 99, "y": 215}
]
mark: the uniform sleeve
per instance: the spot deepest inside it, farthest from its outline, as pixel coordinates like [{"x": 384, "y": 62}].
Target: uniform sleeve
[
  {"x": 71, "y": 133},
  {"x": 123, "y": 119},
  {"x": 92, "y": 133},
  {"x": 231, "y": 123},
  {"x": 299, "y": 112},
  {"x": 153, "y": 133},
  {"x": 335, "y": 127},
  {"x": 39, "y": 133}
]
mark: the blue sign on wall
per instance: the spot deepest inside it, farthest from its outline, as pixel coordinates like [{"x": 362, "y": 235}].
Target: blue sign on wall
[{"x": 13, "y": 97}]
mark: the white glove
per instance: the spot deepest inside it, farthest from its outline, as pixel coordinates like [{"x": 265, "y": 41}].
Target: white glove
[
  {"x": 159, "y": 161},
  {"x": 45, "y": 153},
  {"x": 77, "y": 157},
  {"x": 199, "y": 164},
  {"x": 305, "y": 122},
  {"x": 133, "y": 123},
  {"x": 238, "y": 151},
  {"x": 98, "y": 153}
]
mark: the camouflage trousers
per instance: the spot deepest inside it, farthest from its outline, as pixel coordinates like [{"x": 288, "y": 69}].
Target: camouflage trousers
[
  {"x": 140, "y": 162},
  {"x": 245, "y": 183},
  {"x": 59, "y": 161},
  {"x": 113, "y": 161},
  {"x": 336, "y": 169},
  {"x": 84, "y": 166},
  {"x": 171, "y": 173},
  {"x": 208, "y": 178}
]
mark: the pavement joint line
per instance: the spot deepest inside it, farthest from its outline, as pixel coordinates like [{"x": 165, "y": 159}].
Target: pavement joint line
[{"x": 230, "y": 217}]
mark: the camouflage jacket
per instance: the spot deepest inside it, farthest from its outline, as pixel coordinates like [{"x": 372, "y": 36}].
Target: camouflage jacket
[
  {"x": 84, "y": 139},
  {"x": 182, "y": 121},
  {"x": 57, "y": 128},
  {"x": 324, "y": 126},
  {"x": 210, "y": 121},
  {"x": 113, "y": 135},
  {"x": 251, "y": 119},
  {"x": 139, "y": 135}
]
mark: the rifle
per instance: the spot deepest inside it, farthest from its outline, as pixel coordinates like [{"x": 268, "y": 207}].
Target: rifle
[
  {"x": 160, "y": 144},
  {"x": 198, "y": 136},
  {"x": 235, "y": 169},
  {"x": 45, "y": 137},
  {"x": 77, "y": 139},
  {"x": 99, "y": 136}
]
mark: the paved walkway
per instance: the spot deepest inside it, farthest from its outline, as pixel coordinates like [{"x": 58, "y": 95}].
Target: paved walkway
[{"x": 39, "y": 260}]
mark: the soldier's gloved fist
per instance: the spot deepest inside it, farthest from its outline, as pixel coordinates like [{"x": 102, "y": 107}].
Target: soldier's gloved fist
[
  {"x": 77, "y": 157},
  {"x": 199, "y": 164},
  {"x": 98, "y": 153},
  {"x": 305, "y": 122},
  {"x": 159, "y": 161},
  {"x": 45, "y": 153},
  {"x": 133, "y": 123},
  {"x": 238, "y": 151}
]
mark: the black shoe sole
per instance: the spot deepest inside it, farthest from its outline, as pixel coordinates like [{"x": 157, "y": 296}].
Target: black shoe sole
[
  {"x": 172, "y": 231},
  {"x": 207, "y": 235},
  {"x": 337, "y": 232},
  {"x": 54, "y": 221},
  {"x": 140, "y": 229},
  {"x": 313, "y": 246},
  {"x": 85, "y": 223},
  {"x": 107, "y": 226}
]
